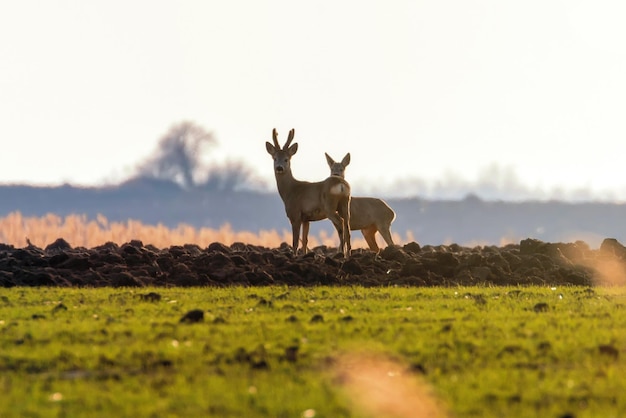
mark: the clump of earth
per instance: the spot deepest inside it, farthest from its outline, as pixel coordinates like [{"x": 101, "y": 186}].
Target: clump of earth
[{"x": 531, "y": 262}]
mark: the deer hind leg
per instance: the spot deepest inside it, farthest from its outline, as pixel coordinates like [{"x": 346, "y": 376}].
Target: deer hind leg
[
  {"x": 369, "y": 234},
  {"x": 305, "y": 236},
  {"x": 386, "y": 234}
]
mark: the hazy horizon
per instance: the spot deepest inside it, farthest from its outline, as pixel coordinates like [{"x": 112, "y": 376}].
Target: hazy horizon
[{"x": 495, "y": 183}]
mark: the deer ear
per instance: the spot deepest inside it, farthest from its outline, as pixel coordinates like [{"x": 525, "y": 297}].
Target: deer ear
[
  {"x": 329, "y": 160},
  {"x": 270, "y": 148},
  {"x": 346, "y": 160},
  {"x": 292, "y": 149}
]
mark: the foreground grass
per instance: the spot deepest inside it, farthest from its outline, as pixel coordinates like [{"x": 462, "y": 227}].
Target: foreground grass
[{"x": 313, "y": 352}]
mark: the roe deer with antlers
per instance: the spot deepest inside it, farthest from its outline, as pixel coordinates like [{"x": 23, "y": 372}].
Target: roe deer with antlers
[
  {"x": 368, "y": 214},
  {"x": 305, "y": 201}
]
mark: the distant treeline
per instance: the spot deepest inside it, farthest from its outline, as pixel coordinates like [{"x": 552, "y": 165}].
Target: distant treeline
[{"x": 467, "y": 221}]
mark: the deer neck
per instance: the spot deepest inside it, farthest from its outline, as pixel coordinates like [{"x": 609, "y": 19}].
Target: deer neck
[{"x": 285, "y": 183}]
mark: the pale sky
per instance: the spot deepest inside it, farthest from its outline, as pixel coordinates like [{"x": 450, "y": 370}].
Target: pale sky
[{"x": 433, "y": 91}]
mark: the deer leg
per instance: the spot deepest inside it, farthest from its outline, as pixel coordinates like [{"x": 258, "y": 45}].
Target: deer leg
[
  {"x": 344, "y": 212},
  {"x": 295, "y": 230},
  {"x": 305, "y": 236},
  {"x": 369, "y": 234},
  {"x": 346, "y": 233},
  {"x": 386, "y": 234},
  {"x": 338, "y": 223},
  {"x": 331, "y": 214},
  {"x": 339, "y": 215},
  {"x": 338, "y": 226}
]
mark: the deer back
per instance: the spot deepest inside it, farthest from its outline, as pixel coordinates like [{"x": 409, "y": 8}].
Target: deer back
[{"x": 368, "y": 211}]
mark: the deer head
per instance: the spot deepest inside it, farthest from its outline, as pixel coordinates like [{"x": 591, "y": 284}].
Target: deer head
[
  {"x": 282, "y": 156},
  {"x": 338, "y": 169}
]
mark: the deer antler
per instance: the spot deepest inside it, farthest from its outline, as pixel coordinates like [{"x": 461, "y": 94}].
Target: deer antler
[
  {"x": 275, "y": 138},
  {"x": 289, "y": 139}
]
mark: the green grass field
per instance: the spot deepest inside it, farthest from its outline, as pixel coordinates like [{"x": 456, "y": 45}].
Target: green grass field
[{"x": 313, "y": 352}]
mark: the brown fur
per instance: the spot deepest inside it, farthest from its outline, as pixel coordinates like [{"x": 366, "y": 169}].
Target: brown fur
[
  {"x": 305, "y": 201},
  {"x": 369, "y": 214}
]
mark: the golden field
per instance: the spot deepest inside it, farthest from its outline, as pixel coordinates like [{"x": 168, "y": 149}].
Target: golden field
[{"x": 79, "y": 231}]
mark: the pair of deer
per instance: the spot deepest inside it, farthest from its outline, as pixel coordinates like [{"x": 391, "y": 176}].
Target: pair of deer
[{"x": 306, "y": 202}]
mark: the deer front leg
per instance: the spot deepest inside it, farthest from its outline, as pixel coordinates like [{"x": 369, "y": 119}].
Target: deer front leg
[
  {"x": 369, "y": 234},
  {"x": 305, "y": 236},
  {"x": 338, "y": 222},
  {"x": 344, "y": 213},
  {"x": 346, "y": 235},
  {"x": 295, "y": 230}
]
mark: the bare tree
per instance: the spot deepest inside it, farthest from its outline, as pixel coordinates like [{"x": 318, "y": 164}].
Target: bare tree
[
  {"x": 178, "y": 156},
  {"x": 232, "y": 175}
]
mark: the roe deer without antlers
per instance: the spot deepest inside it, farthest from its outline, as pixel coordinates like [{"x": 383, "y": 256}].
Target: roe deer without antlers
[
  {"x": 305, "y": 201},
  {"x": 368, "y": 214}
]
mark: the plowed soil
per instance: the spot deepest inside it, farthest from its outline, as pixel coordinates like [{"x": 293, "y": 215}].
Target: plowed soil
[{"x": 135, "y": 264}]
